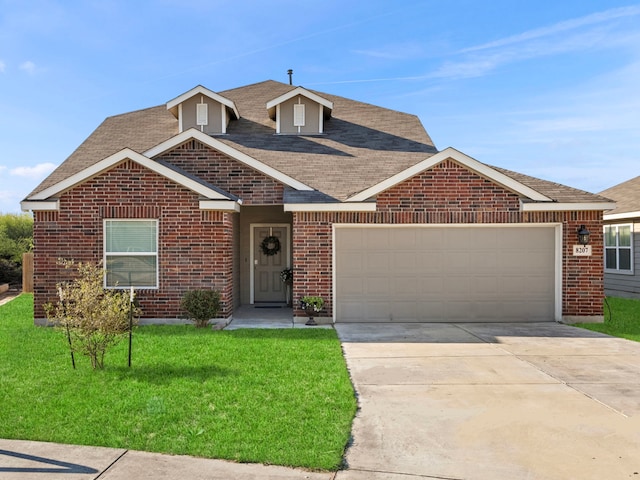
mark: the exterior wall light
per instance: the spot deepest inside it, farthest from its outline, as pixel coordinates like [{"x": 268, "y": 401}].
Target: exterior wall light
[{"x": 583, "y": 235}]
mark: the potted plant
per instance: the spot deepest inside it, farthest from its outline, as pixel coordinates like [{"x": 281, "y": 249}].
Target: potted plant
[
  {"x": 311, "y": 305},
  {"x": 286, "y": 276}
]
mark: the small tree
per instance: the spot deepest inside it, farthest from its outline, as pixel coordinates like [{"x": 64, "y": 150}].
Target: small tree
[
  {"x": 201, "y": 305},
  {"x": 94, "y": 318}
]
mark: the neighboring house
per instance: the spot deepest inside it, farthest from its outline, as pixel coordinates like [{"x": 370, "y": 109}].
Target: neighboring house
[
  {"x": 367, "y": 212},
  {"x": 622, "y": 245}
]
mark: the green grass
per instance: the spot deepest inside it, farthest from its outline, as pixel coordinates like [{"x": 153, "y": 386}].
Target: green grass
[
  {"x": 269, "y": 396},
  {"x": 621, "y": 319}
]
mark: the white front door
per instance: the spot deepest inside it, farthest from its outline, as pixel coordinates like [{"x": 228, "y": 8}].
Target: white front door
[{"x": 270, "y": 257}]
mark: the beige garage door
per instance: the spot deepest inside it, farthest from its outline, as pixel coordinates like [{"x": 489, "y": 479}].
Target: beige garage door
[{"x": 444, "y": 274}]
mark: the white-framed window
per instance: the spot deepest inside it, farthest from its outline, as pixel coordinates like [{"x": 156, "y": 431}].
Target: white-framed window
[
  {"x": 131, "y": 253},
  {"x": 618, "y": 248}
]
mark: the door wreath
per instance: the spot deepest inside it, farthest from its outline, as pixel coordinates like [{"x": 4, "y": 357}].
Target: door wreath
[{"x": 270, "y": 245}]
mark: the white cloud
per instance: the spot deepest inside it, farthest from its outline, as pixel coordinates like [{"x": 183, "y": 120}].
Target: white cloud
[
  {"x": 593, "y": 19},
  {"x": 28, "y": 67},
  {"x": 593, "y": 32},
  {"x": 404, "y": 51},
  {"x": 3, "y": 66},
  {"x": 36, "y": 172}
]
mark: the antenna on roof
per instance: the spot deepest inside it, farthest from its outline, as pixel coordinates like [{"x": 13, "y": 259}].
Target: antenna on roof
[{"x": 290, "y": 73}]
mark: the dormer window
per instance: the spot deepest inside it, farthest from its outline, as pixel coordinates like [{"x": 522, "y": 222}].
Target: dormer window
[
  {"x": 204, "y": 110},
  {"x": 300, "y": 112}
]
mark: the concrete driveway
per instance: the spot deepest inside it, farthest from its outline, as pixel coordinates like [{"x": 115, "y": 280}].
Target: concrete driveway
[{"x": 492, "y": 401}]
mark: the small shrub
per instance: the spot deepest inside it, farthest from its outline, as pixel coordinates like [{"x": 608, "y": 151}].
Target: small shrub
[
  {"x": 201, "y": 305},
  {"x": 93, "y": 317}
]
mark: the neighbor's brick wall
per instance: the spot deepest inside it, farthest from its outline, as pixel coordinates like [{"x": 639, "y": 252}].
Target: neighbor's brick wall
[
  {"x": 195, "y": 248},
  {"x": 253, "y": 187},
  {"x": 449, "y": 194}
]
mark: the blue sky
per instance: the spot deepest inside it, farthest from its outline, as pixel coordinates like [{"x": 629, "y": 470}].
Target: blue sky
[{"x": 546, "y": 88}]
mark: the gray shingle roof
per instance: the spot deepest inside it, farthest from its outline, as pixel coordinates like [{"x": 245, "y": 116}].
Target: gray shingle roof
[
  {"x": 556, "y": 191},
  {"x": 626, "y": 195},
  {"x": 139, "y": 131},
  {"x": 362, "y": 145}
]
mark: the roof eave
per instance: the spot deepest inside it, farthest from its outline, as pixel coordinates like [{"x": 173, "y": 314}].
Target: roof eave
[
  {"x": 622, "y": 216},
  {"x": 566, "y": 206}
]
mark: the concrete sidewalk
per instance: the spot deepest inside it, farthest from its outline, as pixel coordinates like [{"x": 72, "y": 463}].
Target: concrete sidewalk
[
  {"x": 24, "y": 460},
  {"x": 492, "y": 401}
]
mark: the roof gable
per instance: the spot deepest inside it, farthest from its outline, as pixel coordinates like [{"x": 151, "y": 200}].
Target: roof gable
[
  {"x": 172, "y": 105},
  {"x": 173, "y": 174},
  {"x": 327, "y": 104},
  {"x": 466, "y": 161},
  {"x": 227, "y": 150}
]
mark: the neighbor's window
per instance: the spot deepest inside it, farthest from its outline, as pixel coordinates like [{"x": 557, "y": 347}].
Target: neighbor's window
[
  {"x": 131, "y": 253},
  {"x": 618, "y": 251}
]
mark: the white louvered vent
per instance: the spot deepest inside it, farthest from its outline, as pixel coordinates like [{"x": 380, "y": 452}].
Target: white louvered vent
[
  {"x": 298, "y": 115},
  {"x": 202, "y": 114}
]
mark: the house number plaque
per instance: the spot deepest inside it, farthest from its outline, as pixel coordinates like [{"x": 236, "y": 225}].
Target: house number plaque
[{"x": 582, "y": 250}]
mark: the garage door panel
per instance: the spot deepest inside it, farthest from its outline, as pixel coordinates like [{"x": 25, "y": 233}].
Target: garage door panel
[
  {"x": 431, "y": 285},
  {"x": 455, "y": 286},
  {"x": 490, "y": 273},
  {"x": 483, "y": 284},
  {"x": 353, "y": 286},
  {"x": 377, "y": 238},
  {"x": 454, "y": 262},
  {"x": 406, "y": 286},
  {"x": 404, "y": 259}
]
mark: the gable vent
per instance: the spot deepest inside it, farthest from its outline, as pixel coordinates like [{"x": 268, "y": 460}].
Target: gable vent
[
  {"x": 298, "y": 115},
  {"x": 202, "y": 114}
]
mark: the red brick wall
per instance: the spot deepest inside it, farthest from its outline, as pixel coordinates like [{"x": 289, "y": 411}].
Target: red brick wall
[
  {"x": 253, "y": 187},
  {"x": 447, "y": 188},
  {"x": 449, "y": 194},
  {"x": 195, "y": 248}
]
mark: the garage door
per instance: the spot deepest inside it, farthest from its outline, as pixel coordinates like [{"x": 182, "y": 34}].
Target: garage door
[{"x": 444, "y": 274}]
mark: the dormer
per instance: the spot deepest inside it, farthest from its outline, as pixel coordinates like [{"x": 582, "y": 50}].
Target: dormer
[
  {"x": 300, "y": 112},
  {"x": 204, "y": 110}
]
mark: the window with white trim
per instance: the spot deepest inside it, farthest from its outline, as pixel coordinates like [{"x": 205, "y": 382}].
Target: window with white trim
[
  {"x": 131, "y": 253},
  {"x": 618, "y": 248}
]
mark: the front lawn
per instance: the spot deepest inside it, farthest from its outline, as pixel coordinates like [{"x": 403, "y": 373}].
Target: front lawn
[
  {"x": 269, "y": 396},
  {"x": 621, "y": 319}
]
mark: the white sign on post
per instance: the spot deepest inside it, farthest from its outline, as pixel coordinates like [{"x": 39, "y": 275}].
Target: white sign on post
[{"x": 582, "y": 250}]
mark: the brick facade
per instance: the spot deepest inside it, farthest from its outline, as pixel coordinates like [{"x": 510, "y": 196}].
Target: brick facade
[
  {"x": 253, "y": 187},
  {"x": 198, "y": 249},
  {"x": 195, "y": 247}
]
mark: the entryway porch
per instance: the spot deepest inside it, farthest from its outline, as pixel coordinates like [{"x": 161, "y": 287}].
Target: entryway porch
[{"x": 267, "y": 316}]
